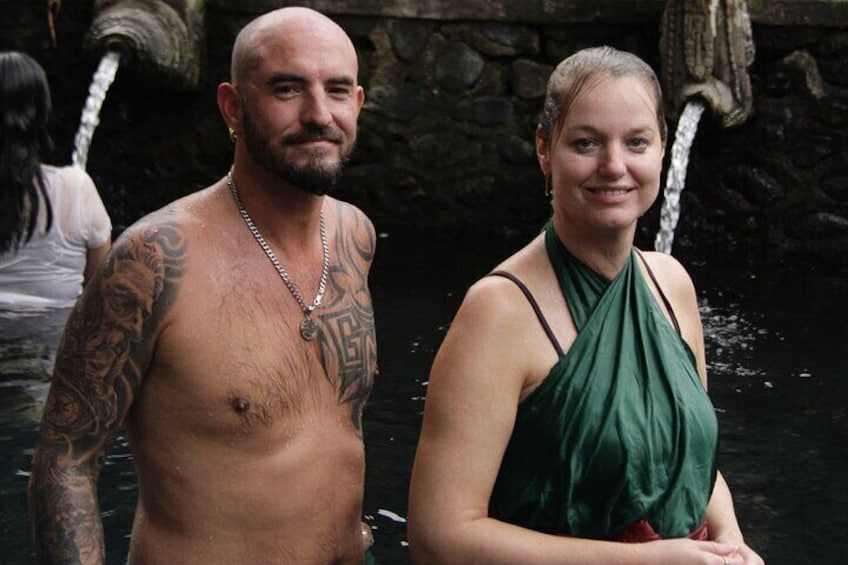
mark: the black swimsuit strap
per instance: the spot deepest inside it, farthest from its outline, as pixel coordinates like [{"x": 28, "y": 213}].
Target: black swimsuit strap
[
  {"x": 532, "y": 300},
  {"x": 659, "y": 289}
]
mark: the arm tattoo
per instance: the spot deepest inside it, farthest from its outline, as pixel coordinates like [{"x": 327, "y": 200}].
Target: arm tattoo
[
  {"x": 349, "y": 338},
  {"x": 105, "y": 351}
]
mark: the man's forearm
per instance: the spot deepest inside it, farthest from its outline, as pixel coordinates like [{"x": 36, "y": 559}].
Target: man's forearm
[{"x": 65, "y": 515}]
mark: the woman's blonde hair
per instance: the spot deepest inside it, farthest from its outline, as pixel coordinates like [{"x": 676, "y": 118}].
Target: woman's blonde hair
[{"x": 572, "y": 74}]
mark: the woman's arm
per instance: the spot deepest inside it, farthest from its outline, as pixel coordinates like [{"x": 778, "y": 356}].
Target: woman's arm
[
  {"x": 474, "y": 389},
  {"x": 93, "y": 258},
  {"x": 720, "y": 516},
  {"x": 723, "y": 525}
]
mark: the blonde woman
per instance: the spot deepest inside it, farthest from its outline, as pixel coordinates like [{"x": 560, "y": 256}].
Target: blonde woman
[{"x": 567, "y": 413}]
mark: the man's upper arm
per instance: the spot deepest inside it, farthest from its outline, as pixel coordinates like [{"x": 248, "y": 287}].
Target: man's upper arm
[{"x": 109, "y": 340}]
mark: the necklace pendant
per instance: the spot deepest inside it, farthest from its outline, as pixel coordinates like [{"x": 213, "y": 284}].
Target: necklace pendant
[{"x": 308, "y": 328}]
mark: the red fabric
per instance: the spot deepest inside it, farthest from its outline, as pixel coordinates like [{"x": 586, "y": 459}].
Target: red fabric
[{"x": 641, "y": 531}]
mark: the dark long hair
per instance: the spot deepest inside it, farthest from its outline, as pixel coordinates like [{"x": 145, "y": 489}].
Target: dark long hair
[{"x": 24, "y": 108}]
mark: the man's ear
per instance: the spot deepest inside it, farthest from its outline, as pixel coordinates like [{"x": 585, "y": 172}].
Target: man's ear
[
  {"x": 229, "y": 105},
  {"x": 360, "y": 98}
]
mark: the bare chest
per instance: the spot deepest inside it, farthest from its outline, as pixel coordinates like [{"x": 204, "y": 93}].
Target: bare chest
[{"x": 234, "y": 348}]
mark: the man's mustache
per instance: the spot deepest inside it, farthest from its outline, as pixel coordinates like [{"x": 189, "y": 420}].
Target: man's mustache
[{"x": 314, "y": 133}]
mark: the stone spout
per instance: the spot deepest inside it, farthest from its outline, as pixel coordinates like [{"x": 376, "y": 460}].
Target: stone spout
[
  {"x": 160, "y": 39},
  {"x": 706, "y": 47}
]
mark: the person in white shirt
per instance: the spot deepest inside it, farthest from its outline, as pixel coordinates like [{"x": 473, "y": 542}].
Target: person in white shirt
[{"x": 54, "y": 228}]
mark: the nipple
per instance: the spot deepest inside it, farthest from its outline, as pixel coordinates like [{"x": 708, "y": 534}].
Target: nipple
[{"x": 240, "y": 405}]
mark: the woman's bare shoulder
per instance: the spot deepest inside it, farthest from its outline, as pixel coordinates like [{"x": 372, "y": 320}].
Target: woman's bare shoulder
[
  {"x": 670, "y": 273},
  {"x": 500, "y": 297}
]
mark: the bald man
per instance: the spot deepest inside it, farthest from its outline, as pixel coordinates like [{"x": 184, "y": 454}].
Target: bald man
[{"x": 232, "y": 334}]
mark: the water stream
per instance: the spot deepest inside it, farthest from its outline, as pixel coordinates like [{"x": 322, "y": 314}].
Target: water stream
[
  {"x": 100, "y": 83},
  {"x": 676, "y": 177}
]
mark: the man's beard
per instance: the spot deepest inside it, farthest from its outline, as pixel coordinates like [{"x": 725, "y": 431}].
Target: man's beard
[{"x": 315, "y": 176}]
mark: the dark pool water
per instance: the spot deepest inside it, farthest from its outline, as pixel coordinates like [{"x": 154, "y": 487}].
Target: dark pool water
[{"x": 777, "y": 345}]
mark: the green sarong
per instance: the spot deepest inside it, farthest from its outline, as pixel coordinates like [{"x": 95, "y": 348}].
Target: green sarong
[{"x": 621, "y": 429}]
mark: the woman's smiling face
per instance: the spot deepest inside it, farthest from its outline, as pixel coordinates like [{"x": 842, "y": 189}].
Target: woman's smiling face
[{"x": 605, "y": 156}]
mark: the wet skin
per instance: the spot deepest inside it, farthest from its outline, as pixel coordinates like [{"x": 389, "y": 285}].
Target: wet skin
[
  {"x": 236, "y": 424},
  {"x": 246, "y": 438}
]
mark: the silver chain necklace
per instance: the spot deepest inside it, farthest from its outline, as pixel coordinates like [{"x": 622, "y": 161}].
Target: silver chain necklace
[{"x": 308, "y": 327}]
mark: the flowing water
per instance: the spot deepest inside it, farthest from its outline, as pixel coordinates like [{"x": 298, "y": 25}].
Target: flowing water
[
  {"x": 100, "y": 83},
  {"x": 676, "y": 176},
  {"x": 775, "y": 340}
]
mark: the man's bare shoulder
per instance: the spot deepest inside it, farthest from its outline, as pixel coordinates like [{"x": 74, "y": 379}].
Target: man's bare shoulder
[
  {"x": 355, "y": 231},
  {"x": 185, "y": 212},
  {"x": 174, "y": 229},
  {"x": 149, "y": 261}
]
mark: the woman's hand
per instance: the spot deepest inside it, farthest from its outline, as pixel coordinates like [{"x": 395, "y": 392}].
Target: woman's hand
[
  {"x": 677, "y": 551},
  {"x": 744, "y": 555},
  {"x": 367, "y": 536}
]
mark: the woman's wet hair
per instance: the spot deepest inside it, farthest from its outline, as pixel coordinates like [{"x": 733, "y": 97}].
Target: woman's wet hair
[
  {"x": 572, "y": 74},
  {"x": 25, "y": 106}
]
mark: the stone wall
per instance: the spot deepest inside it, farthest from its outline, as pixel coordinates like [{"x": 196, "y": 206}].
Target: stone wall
[
  {"x": 781, "y": 179},
  {"x": 453, "y": 90}
]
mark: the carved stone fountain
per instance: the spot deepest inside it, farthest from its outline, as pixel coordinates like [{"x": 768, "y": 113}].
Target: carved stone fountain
[
  {"x": 163, "y": 38},
  {"x": 706, "y": 48}
]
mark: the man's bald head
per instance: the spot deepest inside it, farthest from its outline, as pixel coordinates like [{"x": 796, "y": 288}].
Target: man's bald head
[{"x": 248, "y": 48}]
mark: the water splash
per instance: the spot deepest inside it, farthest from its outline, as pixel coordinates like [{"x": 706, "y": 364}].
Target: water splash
[
  {"x": 103, "y": 77},
  {"x": 676, "y": 179}
]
